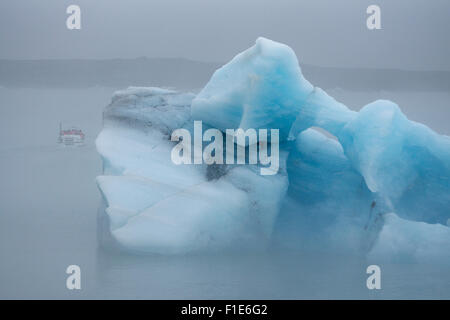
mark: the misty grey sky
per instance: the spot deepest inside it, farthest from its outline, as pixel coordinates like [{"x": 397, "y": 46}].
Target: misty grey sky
[{"x": 414, "y": 33}]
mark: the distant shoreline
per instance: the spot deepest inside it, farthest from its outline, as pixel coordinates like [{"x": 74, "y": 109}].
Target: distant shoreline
[{"x": 188, "y": 74}]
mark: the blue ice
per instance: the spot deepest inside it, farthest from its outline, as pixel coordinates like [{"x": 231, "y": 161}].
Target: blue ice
[{"x": 371, "y": 180}]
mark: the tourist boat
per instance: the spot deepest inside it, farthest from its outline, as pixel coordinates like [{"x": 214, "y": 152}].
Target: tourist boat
[{"x": 71, "y": 136}]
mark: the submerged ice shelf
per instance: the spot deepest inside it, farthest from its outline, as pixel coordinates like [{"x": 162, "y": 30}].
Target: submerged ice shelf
[{"x": 382, "y": 186}]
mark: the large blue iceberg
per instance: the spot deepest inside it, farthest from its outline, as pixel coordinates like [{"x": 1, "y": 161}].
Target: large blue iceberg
[{"x": 371, "y": 181}]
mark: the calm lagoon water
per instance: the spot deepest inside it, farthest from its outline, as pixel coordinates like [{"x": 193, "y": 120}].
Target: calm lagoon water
[{"x": 48, "y": 220}]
